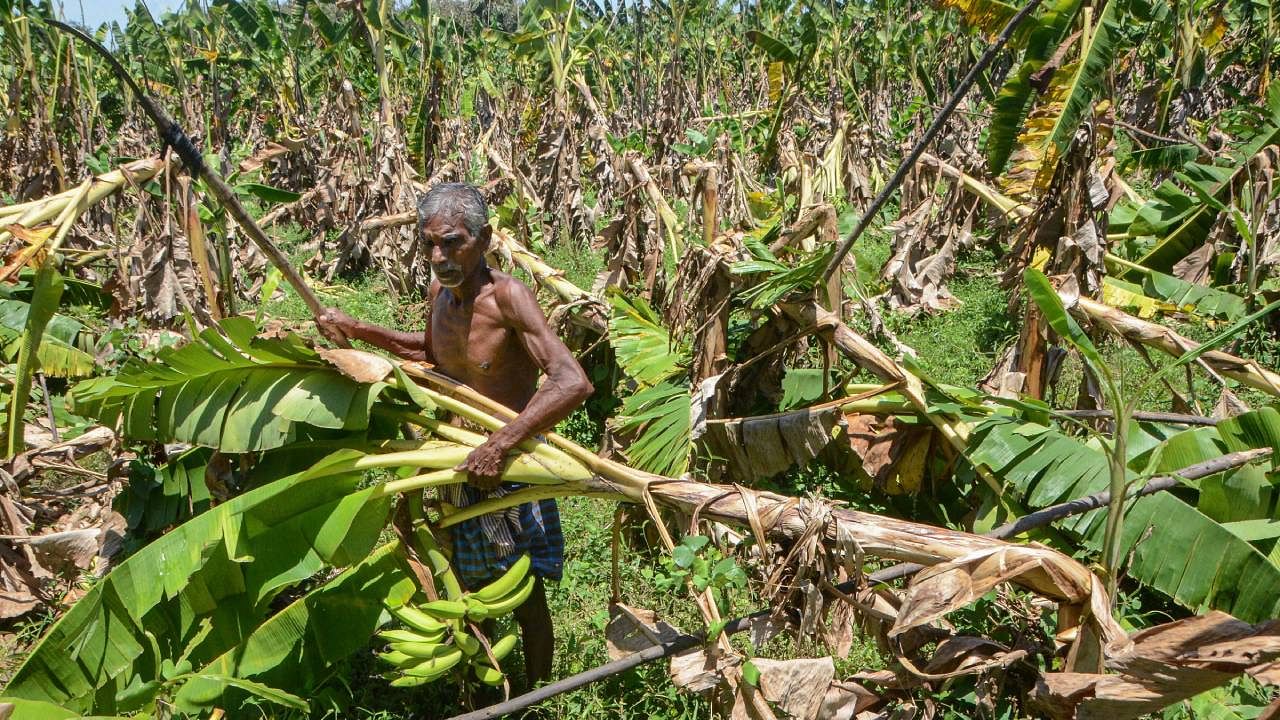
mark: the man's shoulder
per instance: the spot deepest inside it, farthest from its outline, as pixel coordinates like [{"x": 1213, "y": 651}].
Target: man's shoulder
[{"x": 510, "y": 291}]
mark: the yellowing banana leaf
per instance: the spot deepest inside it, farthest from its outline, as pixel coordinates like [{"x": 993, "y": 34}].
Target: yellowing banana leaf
[
  {"x": 1051, "y": 126},
  {"x": 989, "y": 16},
  {"x": 1118, "y": 293}
]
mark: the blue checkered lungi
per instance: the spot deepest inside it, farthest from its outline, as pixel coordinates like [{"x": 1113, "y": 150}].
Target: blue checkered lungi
[{"x": 484, "y": 547}]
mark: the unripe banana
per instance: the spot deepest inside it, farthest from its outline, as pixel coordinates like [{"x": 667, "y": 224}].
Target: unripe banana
[
  {"x": 414, "y": 680},
  {"x": 445, "y": 609},
  {"x": 418, "y": 620},
  {"x": 422, "y": 649},
  {"x": 441, "y": 569},
  {"x": 508, "y": 603},
  {"x": 435, "y": 666},
  {"x": 509, "y": 581},
  {"x": 503, "y": 647},
  {"x": 466, "y": 643},
  {"x": 412, "y": 636},
  {"x": 488, "y": 675},
  {"x": 398, "y": 659}
]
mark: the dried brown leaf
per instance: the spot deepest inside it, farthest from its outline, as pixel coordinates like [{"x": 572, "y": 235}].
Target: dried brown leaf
[
  {"x": 631, "y": 630},
  {"x": 798, "y": 687},
  {"x": 360, "y": 366},
  {"x": 1164, "y": 664},
  {"x": 696, "y": 671}
]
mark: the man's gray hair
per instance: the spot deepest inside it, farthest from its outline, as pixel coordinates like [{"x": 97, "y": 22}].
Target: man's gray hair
[{"x": 455, "y": 199}]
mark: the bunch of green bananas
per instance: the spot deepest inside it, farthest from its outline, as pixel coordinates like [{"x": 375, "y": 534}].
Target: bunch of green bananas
[{"x": 436, "y": 637}]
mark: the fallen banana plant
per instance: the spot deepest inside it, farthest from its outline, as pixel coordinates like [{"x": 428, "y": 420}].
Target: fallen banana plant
[
  {"x": 224, "y": 567},
  {"x": 1245, "y": 371}
]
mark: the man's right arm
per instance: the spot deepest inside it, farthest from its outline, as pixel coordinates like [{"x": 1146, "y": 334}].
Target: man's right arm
[{"x": 336, "y": 325}]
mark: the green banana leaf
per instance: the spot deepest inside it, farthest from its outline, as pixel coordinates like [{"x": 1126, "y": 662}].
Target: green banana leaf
[
  {"x": 160, "y": 497},
  {"x": 19, "y": 709},
  {"x": 1045, "y": 466},
  {"x": 643, "y": 346},
  {"x": 46, "y": 293},
  {"x": 659, "y": 417},
  {"x": 224, "y": 566},
  {"x": 299, "y": 646},
  {"x": 230, "y": 390},
  {"x": 60, "y": 353},
  {"x": 1181, "y": 220}
]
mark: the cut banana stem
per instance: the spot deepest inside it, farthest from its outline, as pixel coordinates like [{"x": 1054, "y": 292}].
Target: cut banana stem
[{"x": 438, "y": 478}]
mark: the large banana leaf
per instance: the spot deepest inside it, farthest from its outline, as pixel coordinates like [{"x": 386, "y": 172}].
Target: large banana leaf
[
  {"x": 1167, "y": 534},
  {"x": 299, "y": 646},
  {"x": 219, "y": 570},
  {"x": 230, "y": 390},
  {"x": 36, "y": 710}
]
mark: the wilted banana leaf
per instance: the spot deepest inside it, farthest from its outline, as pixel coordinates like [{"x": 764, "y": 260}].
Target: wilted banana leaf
[
  {"x": 776, "y": 278},
  {"x": 299, "y": 646},
  {"x": 224, "y": 565},
  {"x": 230, "y": 390}
]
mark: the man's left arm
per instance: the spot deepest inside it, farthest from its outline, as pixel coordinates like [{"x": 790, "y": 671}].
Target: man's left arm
[{"x": 563, "y": 389}]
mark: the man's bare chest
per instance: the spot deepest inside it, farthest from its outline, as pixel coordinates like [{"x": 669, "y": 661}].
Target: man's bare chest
[{"x": 470, "y": 342}]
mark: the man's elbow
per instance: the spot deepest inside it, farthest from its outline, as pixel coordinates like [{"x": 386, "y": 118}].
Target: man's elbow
[{"x": 581, "y": 387}]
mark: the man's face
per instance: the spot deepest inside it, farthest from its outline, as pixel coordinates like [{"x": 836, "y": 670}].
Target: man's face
[{"x": 453, "y": 251}]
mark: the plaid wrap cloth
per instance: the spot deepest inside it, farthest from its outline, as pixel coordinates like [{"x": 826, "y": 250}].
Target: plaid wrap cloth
[{"x": 484, "y": 547}]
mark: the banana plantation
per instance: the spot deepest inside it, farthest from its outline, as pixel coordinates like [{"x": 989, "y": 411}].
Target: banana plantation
[{"x": 899, "y": 359}]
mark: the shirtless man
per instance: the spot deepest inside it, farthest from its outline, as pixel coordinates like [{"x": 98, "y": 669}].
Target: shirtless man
[{"x": 487, "y": 331}]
